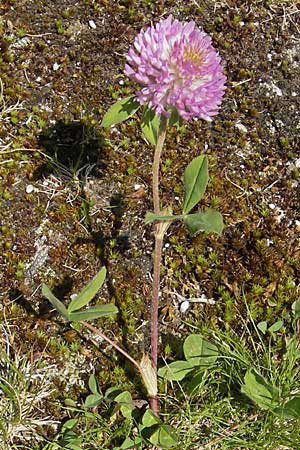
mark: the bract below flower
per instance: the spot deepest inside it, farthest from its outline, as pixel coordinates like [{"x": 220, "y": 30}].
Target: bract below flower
[{"x": 177, "y": 67}]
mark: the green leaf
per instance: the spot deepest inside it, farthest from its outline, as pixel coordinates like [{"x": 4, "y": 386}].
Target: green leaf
[
  {"x": 120, "y": 111},
  {"x": 162, "y": 436},
  {"x": 195, "y": 383},
  {"x": 111, "y": 393},
  {"x": 195, "y": 182},
  {"x": 174, "y": 118},
  {"x": 276, "y": 326},
  {"x": 150, "y": 125},
  {"x": 58, "y": 305},
  {"x": 129, "y": 443},
  {"x": 124, "y": 399},
  {"x": 93, "y": 400},
  {"x": 93, "y": 313},
  {"x": 209, "y": 221},
  {"x": 150, "y": 419},
  {"x": 199, "y": 352},
  {"x": 296, "y": 309},
  {"x": 89, "y": 292},
  {"x": 259, "y": 391},
  {"x": 290, "y": 409},
  {"x": 73, "y": 445},
  {"x": 176, "y": 370},
  {"x": 69, "y": 424},
  {"x": 93, "y": 384},
  {"x": 262, "y": 326}
]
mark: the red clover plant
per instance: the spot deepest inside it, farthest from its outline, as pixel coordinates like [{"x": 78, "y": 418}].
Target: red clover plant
[{"x": 180, "y": 77}]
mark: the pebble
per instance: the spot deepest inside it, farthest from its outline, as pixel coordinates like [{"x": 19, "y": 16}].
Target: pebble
[{"x": 92, "y": 24}]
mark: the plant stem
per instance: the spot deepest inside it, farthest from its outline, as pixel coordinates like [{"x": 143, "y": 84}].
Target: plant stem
[
  {"x": 156, "y": 162},
  {"x": 159, "y": 235},
  {"x": 112, "y": 343}
]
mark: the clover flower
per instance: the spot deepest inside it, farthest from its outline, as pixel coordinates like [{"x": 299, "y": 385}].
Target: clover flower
[{"x": 177, "y": 67}]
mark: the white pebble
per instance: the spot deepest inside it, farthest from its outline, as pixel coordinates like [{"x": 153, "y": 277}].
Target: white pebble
[
  {"x": 29, "y": 189},
  {"x": 241, "y": 127},
  {"x": 92, "y": 24},
  {"x": 184, "y": 306},
  {"x": 55, "y": 66}
]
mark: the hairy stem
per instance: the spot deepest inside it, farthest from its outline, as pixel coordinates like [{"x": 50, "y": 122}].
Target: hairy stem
[
  {"x": 156, "y": 162},
  {"x": 159, "y": 234}
]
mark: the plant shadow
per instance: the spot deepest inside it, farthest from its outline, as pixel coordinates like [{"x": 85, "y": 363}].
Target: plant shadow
[{"x": 74, "y": 149}]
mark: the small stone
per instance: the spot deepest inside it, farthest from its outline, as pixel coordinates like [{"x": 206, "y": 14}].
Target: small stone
[
  {"x": 184, "y": 306},
  {"x": 55, "y": 66},
  {"x": 29, "y": 189},
  {"x": 92, "y": 24},
  {"x": 241, "y": 127}
]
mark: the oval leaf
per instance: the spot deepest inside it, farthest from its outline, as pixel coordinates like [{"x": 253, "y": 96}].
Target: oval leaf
[
  {"x": 262, "y": 326},
  {"x": 209, "y": 221},
  {"x": 93, "y": 400},
  {"x": 291, "y": 409},
  {"x": 163, "y": 436},
  {"x": 126, "y": 404},
  {"x": 176, "y": 370},
  {"x": 87, "y": 293},
  {"x": 195, "y": 182},
  {"x": 296, "y": 309},
  {"x": 93, "y": 384},
  {"x": 120, "y": 111},
  {"x": 150, "y": 419},
  {"x": 259, "y": 391},
  {"x": 150, "y": 125},
  {"x": 93, "y": 313},
  {"x": 58, "y": 305},
  {"x": 276, "y": 326},
  {"x": 199, "y": 352}
]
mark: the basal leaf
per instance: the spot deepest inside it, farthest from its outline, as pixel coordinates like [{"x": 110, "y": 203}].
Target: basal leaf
[
  {"x": 126, "y": 405},
  {"x": 111, "y": 393},
  {"x": 93, "y": 313},
  {"x": 176, "y": 370},
  {"x": 163, "y": 436},
  {"x": 93, "y": 400},
  {"x": 296, "y": 309},
  {"x": 195, "y": 182},
  {"x": 58, "y": 305},
  {"x": 88, "y": 292},
  {"x": 290, "y": 409},
  {"x": 120, "y": 111},
  {"x": 93, "y": 384},
  {"x": 259, "y": 391},
  {"x": 276, "y": 326},
  {"x": 262, "y": 326},
  {"x": 150, "y": 125},
  {"x": 150, "y": 419},
  {"x": 199, "y": 352},
  {"x": 129, "y": 444},
  {"x": 209, "y": 221}
]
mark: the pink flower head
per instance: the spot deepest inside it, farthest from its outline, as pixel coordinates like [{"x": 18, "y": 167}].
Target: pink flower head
[{"x": 177, "y": 67}]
